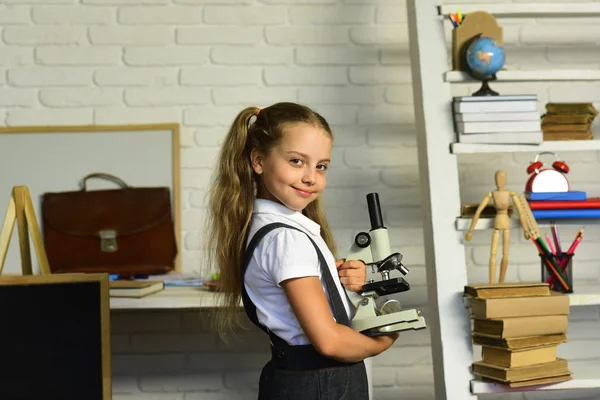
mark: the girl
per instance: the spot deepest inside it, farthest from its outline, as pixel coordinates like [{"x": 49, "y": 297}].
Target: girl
[{"x": 274, "y": 249}]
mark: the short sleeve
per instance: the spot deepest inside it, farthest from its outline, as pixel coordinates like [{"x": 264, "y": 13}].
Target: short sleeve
[{"x": 289, "y": 254}]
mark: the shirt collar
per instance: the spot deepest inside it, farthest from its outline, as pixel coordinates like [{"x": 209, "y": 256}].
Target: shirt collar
[{"x": 263, "y": 206}]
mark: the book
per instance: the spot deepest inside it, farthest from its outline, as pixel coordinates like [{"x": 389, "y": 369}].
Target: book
[
  {"x": 467, "y": 210},
  {"x": 571, "y": 108},
  {"x": 567, "y": 213},
  {"x": 543, "y": 196},
  {"x": 507, "y": 290},
  {"x": 502, "y": 97},
  {"x": 494, "y": 106},
  {"x": 134, "y": 288},
  {"x": 503, "y": 137},
  {"x": 519, "y": 358},
  {"x": 497, "y": 116},
  {"x": 526, "y": 342},
  {"x": 567, "y": 119},
  {"x": 521, "y": 326},
  {"x": 558, "y": 367},
  {"x": 497, "y": 126},
  {"x": 591, "y": 202},
  {"x": 568, "y": 135},
  {"x": 555, "y": 304}
]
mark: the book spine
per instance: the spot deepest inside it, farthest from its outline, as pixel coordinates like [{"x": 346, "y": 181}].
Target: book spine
[{"x": 567, "y": 213}]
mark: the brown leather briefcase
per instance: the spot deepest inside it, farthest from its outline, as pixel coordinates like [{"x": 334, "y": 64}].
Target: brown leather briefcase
[{"x": 126, "y": 231}]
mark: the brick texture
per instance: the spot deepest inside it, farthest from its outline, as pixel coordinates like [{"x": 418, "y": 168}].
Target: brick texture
[{"x": 199, "y": 62}]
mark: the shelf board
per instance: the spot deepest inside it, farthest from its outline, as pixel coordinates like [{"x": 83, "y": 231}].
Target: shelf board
[
  {"x": 566, "y": 9},
  {"x": 585, "y": 296},
  {"x": 549, "y": 145},
  {"x": 530, "y": 76},
  {"x": 462, "y": 224},
  {"x": 482, "y": 387},
  {"x": 169, "y": 298}
]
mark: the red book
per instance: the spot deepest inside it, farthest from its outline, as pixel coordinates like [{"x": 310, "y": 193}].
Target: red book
[{"x": 590, "y": 202}]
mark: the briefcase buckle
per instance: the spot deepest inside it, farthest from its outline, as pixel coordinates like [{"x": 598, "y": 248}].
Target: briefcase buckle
[{"x": 108, "y": 240}]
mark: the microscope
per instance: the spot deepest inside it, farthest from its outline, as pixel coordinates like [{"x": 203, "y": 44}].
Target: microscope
[{"x": 373, "y": 248}]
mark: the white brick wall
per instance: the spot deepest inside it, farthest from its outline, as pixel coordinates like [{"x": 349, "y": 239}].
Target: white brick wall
[{"x": 198, "y": 62}]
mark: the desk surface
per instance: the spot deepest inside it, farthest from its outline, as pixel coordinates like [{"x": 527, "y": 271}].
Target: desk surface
[{"x": 169, "y": 298}]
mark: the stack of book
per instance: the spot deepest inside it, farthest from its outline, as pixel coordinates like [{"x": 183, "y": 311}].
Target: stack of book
[
  {"x": 509, "y": 119},
  {"x": 568, "y": 121},
  {"x": 561, "y": 205},
  {"x": 519, "y": 327}
]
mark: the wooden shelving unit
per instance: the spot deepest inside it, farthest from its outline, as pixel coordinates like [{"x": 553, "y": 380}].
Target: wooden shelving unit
[
  {"x": 526, "y": 10},
  {"x": 449, "y": 322},
  {"x": 530, "y": 76},
  {"x": 557, "y": 146}
]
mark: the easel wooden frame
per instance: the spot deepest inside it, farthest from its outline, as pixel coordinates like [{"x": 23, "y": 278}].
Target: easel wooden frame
[
  {"x": 105, "y": 334},
  {"x": 20, "y": 211},
  {"x": 176, "y": 164}
]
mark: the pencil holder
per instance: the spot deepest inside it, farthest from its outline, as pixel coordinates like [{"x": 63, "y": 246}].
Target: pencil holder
[{"x": 565, "y": 261}]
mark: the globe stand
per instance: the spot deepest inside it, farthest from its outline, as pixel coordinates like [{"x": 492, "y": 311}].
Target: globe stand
[{"x": 485, "y": 89}]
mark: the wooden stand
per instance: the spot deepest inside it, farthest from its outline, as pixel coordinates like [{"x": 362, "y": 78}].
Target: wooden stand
[
  {"x": 20, "y": 210},
  {"x": 475, "y": 23}
]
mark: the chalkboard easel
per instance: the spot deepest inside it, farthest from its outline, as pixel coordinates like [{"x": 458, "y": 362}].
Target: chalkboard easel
[{"x": 20, "y": 211}]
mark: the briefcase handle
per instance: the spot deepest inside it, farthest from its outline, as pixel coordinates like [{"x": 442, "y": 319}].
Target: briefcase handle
[{"x": 103, "y": 175}]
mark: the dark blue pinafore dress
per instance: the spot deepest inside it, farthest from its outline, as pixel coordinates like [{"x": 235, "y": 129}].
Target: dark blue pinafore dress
[{"x": 300, "y": 372}]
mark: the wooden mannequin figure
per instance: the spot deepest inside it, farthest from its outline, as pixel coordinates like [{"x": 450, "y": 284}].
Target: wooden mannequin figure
[{"x": 502, "y": 199}]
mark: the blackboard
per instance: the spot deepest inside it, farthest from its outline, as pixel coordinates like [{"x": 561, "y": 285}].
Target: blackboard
[{"x": 55, "y": 337}]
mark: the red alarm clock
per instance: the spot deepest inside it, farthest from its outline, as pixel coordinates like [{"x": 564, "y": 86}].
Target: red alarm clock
[{"x": 548, "y": 179}]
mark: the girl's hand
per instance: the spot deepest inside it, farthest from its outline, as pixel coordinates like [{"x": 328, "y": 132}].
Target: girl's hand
[{"x": 353, "y": 274}]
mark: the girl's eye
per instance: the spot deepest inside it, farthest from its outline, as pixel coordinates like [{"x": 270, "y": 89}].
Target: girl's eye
[
  {"x": 296, "y": 161},
  {"x": 322, "y": 167}
]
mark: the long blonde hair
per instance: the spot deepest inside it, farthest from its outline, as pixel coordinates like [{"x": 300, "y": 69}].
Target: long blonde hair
[{"x": 232, "y": 194}]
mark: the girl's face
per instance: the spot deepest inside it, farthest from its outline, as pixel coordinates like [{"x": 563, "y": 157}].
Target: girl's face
[{"x": 293, "y": 173}]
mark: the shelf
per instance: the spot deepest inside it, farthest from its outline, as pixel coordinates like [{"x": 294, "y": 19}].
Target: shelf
[
  {"x": 530, "y": 76},
  {"x": 481, "y": 387},
  {"x": 462, "y": 224},
  {"x": 560, "y": 10},
  {"x": 169, "y": 298},
  {"x": 550, "y": 145},
  {"x": 585, "y": 296}
]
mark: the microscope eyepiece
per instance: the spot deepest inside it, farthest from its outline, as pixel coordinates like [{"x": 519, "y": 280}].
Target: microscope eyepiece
[{"x": 374, "y": 211}]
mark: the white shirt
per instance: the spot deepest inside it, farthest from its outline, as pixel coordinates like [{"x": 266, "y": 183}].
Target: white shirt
[{"x": 284, "y": 254}]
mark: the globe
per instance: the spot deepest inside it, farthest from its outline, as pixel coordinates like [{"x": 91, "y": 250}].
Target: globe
[{"x": 484, "y": 57}]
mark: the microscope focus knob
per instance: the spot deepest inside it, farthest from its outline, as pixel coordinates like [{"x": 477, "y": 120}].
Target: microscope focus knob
[{"x": 362, "y": 240}]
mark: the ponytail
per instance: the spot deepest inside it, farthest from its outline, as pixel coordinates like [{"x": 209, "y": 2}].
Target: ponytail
[{"x": 231, "y": 200}]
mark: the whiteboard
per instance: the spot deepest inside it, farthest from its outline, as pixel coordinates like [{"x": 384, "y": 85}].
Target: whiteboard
[{"x": 56, "y": 159}]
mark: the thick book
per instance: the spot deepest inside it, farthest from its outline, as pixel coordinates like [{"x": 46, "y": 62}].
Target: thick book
[
  {"x": 519, "y": 343},
  {"x": 518, "y": 358},
  {"x": 555, "y": 304},
  {"x": 497, "y": 126},
  {"x": 592, "y": 202},
  {"x": 544, "y": 196},
  {"x": 498, "y": 116},
  {"x": 521, "y": 326},
  {"x": 567, "y": 213},
  {"x": 502, "y": 137},
  {"x": 135, "y": 288},
  {"x": 506, "y": 290},
  {"x": 558, "y": 367},
  {"x": 494, "y": 106}
]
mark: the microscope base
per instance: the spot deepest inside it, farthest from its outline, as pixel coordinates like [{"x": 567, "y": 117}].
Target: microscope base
[
  {"x": 387, "y": 323},
  {"x": 399, "y": 327}
]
